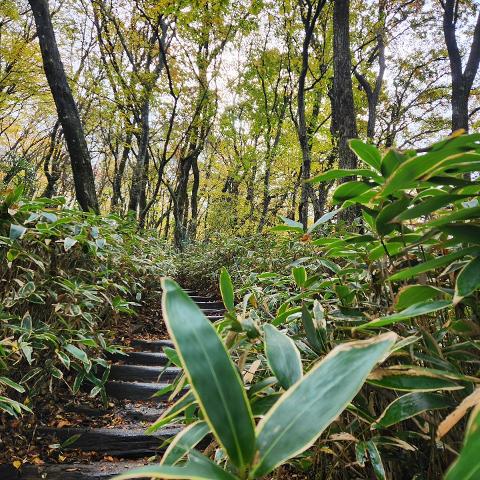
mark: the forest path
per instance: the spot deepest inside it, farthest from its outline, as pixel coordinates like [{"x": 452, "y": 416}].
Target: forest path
[{"x": 115, "y": 449}]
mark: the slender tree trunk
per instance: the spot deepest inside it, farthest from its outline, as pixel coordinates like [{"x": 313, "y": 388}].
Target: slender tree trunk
[
  {"x": 50, "y": 164},
  {"x": 309, "y": 21},
  {"x": 194, "y": 200},
  {"x": 462, "y": 79},
  {"x": 119, "y": 171},
  {"x": 139, "y": 172},
  {"x": 343, "y": 111},
  {"x": 66, "y": 108}
]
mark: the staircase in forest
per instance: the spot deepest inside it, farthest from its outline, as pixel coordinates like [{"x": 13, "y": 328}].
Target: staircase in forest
[{"x": 133, "y": 378}]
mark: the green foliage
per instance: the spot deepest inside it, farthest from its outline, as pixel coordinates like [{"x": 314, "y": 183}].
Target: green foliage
[
  {"x": 66, "y": 277},
  {"x": 295, "y": 421},
  {"x": 411, "y": 273}
]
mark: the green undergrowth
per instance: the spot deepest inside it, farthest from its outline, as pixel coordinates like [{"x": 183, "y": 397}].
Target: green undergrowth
[
  {"x": 297, "y": 298},
  {"x": 66, "y": 278}
]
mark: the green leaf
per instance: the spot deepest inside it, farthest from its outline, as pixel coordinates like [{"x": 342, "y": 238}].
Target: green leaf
[
  {"x": 415, "y": 310},
  {"x": 323, "y": 219},
  {"x": 17, "y": 231},
  {"x": 463, "y": 232},
  {"x": 407, "y": 173},
  {"x": 376, "y": 460},
  {"x": 65, "y": 359},
  {"x": 77, "y": 353},
  {"x": 306, "y": 409},
  {"x": 414, "y": 379},
  {"x": 391, "y": 161},
  {"x": 183, "y": 443},
  {"x": 226, "y": 288},
  {"x": 468, "y": 280},
  {"x": 433, "y": 264},
  {"x": 292, "y": 224},
  {"x": 313, "y": 331},
  {"x": 300, "y": 275},
  {"x": 350, "y": 190},
  {"x": 428, "y": 206},
  {"x": 211, "y": 373},
  {"x": 367, "y": 153},
  {"x": 410, "y": 405},
  {"x": 411, "y": 294},
  {"x": 197, "y": 467},
  {"x": 467, "y": 466},
  {"x": 344, "y": 172},
  {"x": 386, "y": 214},
  {"x": 463, "y": 214},
  {"x": 10, "y": 383},
  {"x": 172, "y": 412},
  {"x": 283, "y": 356},
  {"x": 68, "y": 243}
]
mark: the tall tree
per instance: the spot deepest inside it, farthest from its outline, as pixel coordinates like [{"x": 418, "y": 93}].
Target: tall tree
[
  {"x": 66, "y": 108},
  {"x": 462, "y": 78},
  {"x": 310, "y": 11},
  {"x": 344, "y": 123}
]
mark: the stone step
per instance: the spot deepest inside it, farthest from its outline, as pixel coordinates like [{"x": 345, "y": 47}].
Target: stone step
[
  {"x": 135, "y": 390},
  {"x": 74, "y": 471},
  {"x": 143, "y": 373},
  {"x": 130, "y": 412},
  {"x": 141, "y": 358},
  {"x": 203, "y": 298},
  {"x": 116, "y": 442},
  {"x": 211, "y": 306},
  {"x": 151, "y": 345}
]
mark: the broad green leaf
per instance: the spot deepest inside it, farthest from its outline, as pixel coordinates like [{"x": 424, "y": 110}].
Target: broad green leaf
[
  {"x": 300, "y": 275},
  {"x": 415, "y": 310},
  {"x": 10, "y": 383},
  {"x": 184, "y": 442},
  {"x": 367, "y": 153},
  {"x": 306, "y": 409},
  {"x": 433, "y": 264},
  {"x": 383, "y": 223},
  {"x": 428, "y": 206},
  {"x": 292, "y": 223},
  {"x": 197, "y": 467},
  {"x": 407, "y": 173},
  {"x": 468, "y": 280},
  {"x": 283, "y": 356},
  {"x": 226, "y": 289},
  {"x": 68, "y": 243},
  {"x": 463, "y": 214},
  {"x": 413, "y": 379},
  {"x": 77, "y": 353},
  {"x": 314, "y": 336},
  {"x": 350, "y": 190},
  {"x": 376, "y": 460},
  {"x": 411, "y": 404},
  {"x": 323, "y": 219},
  {"x": 17, "y": 231},
  {"x": 463, "y": 232},
  {"x": 211, "y": 373},
  {"x": 411, "y": 294},
  {"x": 280, "y": 318},
  {"x": 467, "y": 466},
  {"x": 172, "y": 412},
  {"x": 391, "y": 161},
  {"x": 344, "y": 172}
]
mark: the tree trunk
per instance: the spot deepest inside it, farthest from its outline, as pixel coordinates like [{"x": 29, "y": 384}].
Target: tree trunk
[
  {"x": 66, "y": 108},
  {"x": 343, "y": 111},
  {"x": 462, "y": 79},
  {"x": 139, "y": 172},
  {"x": 119, "y": 171}
]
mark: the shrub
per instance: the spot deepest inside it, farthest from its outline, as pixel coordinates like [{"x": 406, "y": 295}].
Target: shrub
[{"x": 66, "y": 276}]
